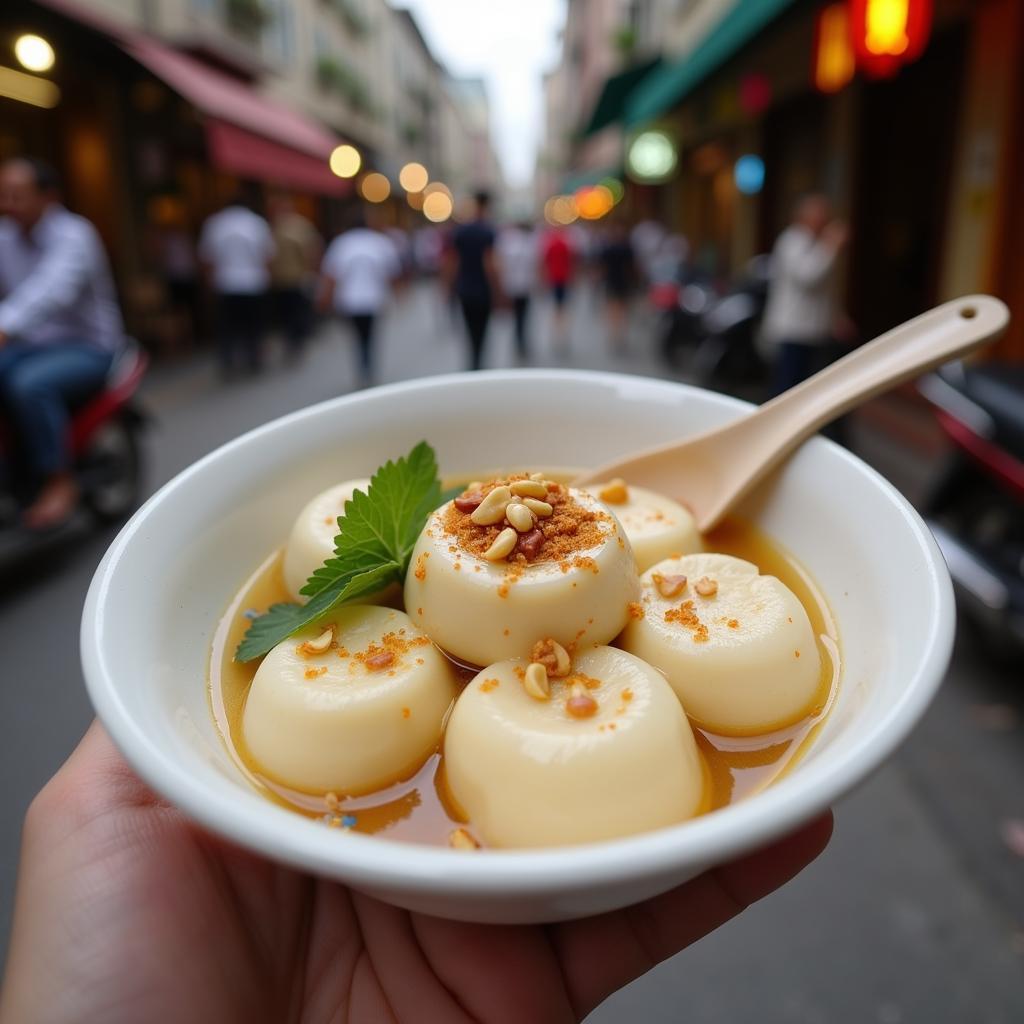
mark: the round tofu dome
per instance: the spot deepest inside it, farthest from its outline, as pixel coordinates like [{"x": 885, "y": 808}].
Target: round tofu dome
[
  {"x": 515, "y": 560},
  {"x": 737, "y": 647},
  {"x": 532, "y": 772},
  {"x": 349, "y": 706},
  {"x": 311, "y": 541},
  {"x": 657, "y": 527}
]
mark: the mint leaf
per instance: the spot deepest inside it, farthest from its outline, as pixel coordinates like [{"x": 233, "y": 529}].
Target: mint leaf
[
  {"x": 283, "y": 620},
  {"x": 382, "y": 524},
  {"x": 377, "y": 534}
]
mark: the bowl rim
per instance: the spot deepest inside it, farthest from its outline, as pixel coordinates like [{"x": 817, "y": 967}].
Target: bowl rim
[{"x": 398, "y": 866}]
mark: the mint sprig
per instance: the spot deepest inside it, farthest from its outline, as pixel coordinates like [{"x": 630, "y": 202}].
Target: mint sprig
[{"x": 377, "y": 534}]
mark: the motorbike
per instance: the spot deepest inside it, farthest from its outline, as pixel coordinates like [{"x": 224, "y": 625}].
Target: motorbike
[
  {"x": 713, "y": 335},
  {"x": 106, "y": 460},
  {"x": 976, "y": 508}
]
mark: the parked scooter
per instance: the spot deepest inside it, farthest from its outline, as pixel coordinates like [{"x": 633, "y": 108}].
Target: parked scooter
[
  {"x": 104, "y": 438},
  {"x": 727, "y": 354},
  {"x": 976, "y": 511}
]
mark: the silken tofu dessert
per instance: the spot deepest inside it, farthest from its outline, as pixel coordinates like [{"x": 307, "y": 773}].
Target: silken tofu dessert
[
  {"x": 560, "y": 665},
  {"x": 514, "y": 561}
]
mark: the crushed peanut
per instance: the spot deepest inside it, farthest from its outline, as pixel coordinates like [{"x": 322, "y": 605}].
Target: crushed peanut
[
  {"x": 635, "y": 610},
  {"x": 320, "y": 644},
  {"x": 553, "y": 656},
  {"x": 669, "y": 586},
  {"x": 568, "y": 529},
  {"x": 519, "y": 517},
  {"x": 492, "y": 508},
  {"x": 460, "y": 839},
  {"x": 502, "y": 546},
  {"x": 530, "y": 489},
  {"x": 539, "y": 508},
  {"x": 535, "y": 681},
  {"x": 614, "y": 492},
  {"x": 706, "y": 586}
]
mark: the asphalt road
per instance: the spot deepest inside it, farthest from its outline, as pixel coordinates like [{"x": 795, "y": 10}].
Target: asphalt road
[{"x": 914, "y": 913}]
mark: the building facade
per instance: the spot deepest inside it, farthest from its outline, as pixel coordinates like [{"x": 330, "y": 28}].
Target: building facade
[{"x": 923, "y": 162}]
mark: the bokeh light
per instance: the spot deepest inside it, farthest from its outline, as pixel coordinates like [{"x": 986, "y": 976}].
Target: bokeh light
[
  {"x": 594, "y": 202},
  {"x": 651, "y": 157},
  {"x": 413, "y": 177},
  {"x": 615, "y": 187},
  {"x": 749, "y": 174},
  {"x": 346, "y": 161},
  {"x": 375, "y": 188},
  {"x": 560, "y": 210},
  {"x": 34, "y": 53},
  {"x": 437, "y": 186},
  {"x": 415, "y": 200},
  {"x": 437, "y": 206}
]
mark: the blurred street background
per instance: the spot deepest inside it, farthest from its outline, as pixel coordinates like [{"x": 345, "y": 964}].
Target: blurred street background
[{"x": 673, "y": 188}]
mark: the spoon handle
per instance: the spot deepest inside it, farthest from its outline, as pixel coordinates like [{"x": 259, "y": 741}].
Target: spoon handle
[
  {"x": 943, "y": 333},
  {"x": 749, "y": 448}
]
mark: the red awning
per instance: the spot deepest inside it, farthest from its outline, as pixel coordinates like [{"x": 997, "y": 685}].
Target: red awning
[
  {"x": 248, "y": 134},
  {"x": 247, "y": 155}
]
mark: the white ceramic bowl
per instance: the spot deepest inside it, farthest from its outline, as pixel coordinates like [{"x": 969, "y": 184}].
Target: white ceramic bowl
[{"x": 168, "y": 576}]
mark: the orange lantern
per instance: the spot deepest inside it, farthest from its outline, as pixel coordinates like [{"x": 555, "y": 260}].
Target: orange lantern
[
  {"x": 888, "y": 33},
  {"x": 832, "y": 65}
]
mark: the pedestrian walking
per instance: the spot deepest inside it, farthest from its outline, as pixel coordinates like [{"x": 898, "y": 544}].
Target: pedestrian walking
[
  {"x": 517, "y": 263},
  {"x": 618, "y": 273},
  {"x": 558, "y": 259},
  {"x": 297, "y": 251},
  {"x": 236, "y": 247},
  {"x": 801, "y": 312},
  {"x": 60, "y": 328},
  {"x": 473, "y": 274},
  {"x": 357, "y": 273}
]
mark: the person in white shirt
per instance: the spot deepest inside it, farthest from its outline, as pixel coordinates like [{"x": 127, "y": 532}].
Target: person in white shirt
[
  {"x": 60, "y": 328},
  {"x": 518, "y": 253},
  {"x": 800, "y": 315},
  {"x": 236, "y": 247},
  {"x": 358, "y": 269}
]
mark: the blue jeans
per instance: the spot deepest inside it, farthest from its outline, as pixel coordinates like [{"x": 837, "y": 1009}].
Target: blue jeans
[{"x": 38, "y": 385}]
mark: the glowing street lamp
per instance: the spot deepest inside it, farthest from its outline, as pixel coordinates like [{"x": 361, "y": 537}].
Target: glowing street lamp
[
  {"x": 887, "y": 34},
  {"x": 34, "y": 53},
  {"x": 345, "y": 161}
]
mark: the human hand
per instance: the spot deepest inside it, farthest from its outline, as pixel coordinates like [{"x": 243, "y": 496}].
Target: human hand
[{"x": 127, "y": 913}]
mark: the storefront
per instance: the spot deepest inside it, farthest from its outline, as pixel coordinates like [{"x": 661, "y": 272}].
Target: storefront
[
  {"x": 149, "y": 139},
  {"x": 923, "y": 162}
]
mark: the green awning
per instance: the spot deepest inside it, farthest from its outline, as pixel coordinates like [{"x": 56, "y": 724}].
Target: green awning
[
  {"x": 673, "y": 82},
  {"x": 611, "y": 104}
]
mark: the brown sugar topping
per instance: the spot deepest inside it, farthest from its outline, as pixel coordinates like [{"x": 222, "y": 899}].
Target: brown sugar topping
[
  {"x": 687, "y": 617},
  {"x": 635, "y": 609},
  {"x": 559, "y": 537},
  {"x": 489, "y": 684},
  {"x": 388, "y": 653},
  {"x": 420, "y": 572}
]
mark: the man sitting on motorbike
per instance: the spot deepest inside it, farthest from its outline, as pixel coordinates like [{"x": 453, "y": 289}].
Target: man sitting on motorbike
[{"x": 60, "y": 328}]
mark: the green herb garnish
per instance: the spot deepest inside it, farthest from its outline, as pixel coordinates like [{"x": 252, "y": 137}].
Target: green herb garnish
[{"x": 377, "y": 534}]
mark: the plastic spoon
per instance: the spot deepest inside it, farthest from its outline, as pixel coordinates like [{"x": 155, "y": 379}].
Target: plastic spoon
[{"x": 714, "y": 470}]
